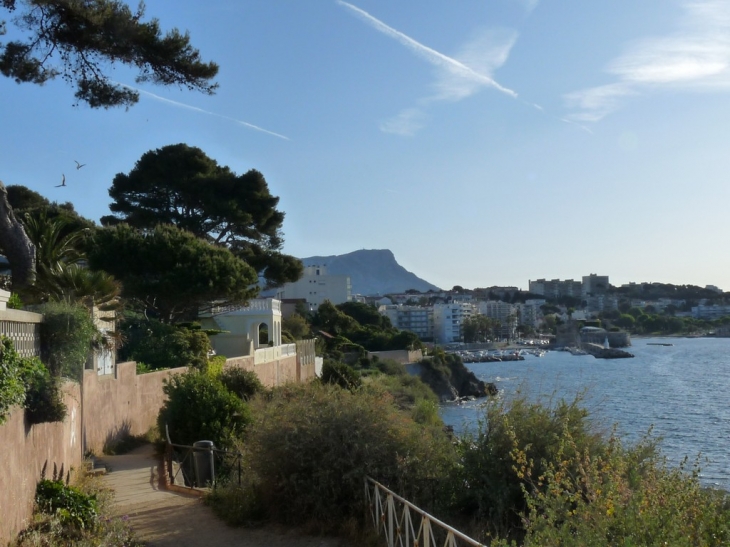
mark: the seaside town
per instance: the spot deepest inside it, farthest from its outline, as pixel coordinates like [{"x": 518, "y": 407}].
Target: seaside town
[{"x": 178, "y": 367}]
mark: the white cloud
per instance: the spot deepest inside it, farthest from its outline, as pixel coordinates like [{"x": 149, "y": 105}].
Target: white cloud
[
  {"x": 406, "y": 124},
  {"x": 696, "y": 57},
  {"x": 596, "y": 102}
]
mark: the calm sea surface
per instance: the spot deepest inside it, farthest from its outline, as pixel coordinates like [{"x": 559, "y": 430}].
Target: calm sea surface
[{"x": 682, "y": 390}]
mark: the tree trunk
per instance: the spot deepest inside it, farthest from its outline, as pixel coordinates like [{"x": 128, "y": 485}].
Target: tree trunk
[{"x": 18, "y": 249}]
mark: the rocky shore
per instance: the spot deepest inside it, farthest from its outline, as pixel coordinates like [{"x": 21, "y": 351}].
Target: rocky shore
[{"x": 451, "y": 380}]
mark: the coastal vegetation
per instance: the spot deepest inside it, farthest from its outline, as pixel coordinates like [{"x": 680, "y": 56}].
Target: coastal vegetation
[{"x": 530, "y": 473}]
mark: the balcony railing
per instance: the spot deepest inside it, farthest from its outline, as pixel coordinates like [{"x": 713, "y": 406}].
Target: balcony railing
[{"x": 256, "y": 305}]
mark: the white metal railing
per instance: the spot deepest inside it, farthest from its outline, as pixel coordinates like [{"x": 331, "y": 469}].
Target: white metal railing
[
  {"x": 255, "y": 305},
  {"x": 404, "y": 524}
]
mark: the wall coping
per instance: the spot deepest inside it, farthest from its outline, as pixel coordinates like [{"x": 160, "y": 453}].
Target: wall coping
[{"x": 20, "y": 316}]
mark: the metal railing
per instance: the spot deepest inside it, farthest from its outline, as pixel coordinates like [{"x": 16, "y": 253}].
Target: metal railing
[
  {"x": 182, "y": 470},
  {"x": 403, "y": 524},
  {"x": 200, "y": 466}
]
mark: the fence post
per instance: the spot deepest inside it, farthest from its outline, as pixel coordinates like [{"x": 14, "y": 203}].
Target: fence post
[{"x": 391, "y": 513}]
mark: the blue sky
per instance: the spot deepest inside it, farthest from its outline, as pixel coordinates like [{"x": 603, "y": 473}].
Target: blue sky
[{"x": 484, "y": 142}]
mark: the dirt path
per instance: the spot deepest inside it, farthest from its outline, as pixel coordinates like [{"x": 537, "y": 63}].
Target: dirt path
[{"x": 163, "y": 518}]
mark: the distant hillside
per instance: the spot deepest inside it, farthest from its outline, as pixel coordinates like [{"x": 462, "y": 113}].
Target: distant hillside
[{"x": 371, "y": 272}]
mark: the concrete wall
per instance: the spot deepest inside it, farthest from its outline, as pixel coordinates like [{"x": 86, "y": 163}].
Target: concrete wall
[{"x": 24, "y": 452}]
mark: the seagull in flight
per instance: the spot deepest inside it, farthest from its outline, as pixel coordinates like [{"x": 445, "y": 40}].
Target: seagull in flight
[
  {"x": 63, "y": 181},
  {"x": 79, "y": 165}
]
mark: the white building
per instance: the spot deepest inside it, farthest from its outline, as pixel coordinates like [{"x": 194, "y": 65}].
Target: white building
[
  {"x": 530, "y": 312},
  {"x": 416, "y": 319},
  {"x": 504, "y": 312},
  {"x": 316, "y": 286},
  {"x": 710, "y": 312},
  {"x": 448, "y": 320}
]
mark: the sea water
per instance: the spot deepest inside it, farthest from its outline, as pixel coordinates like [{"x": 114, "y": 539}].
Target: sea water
[{"x": 681, "y": 391}]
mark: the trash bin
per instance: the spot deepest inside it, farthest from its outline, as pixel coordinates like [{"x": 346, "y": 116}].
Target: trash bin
[{"x": 204, "y": 463}]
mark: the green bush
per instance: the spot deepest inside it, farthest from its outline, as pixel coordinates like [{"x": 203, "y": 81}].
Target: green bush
[
  {"x": 12, "y": 390},
  {"x": 161, "y": 346},
  {"x": 14, "y": 302},
  {"x": 341, "y": 374},
  {"x": 72, "y": 506},
  {"x": 43, "y": 397},
  {"x": 68, "y": 334},
  {"x": 389, "y": 367},
  {"x": 407, "y": 390},
  {"x": 495, "y": 484},
  {"x": 620, "y": 497},
  {"x": 66, "y": 508},
  {"x": 310, "y": 447},
  {"x": 244, "y": 383},
  {"x": 199, "y": 407}
]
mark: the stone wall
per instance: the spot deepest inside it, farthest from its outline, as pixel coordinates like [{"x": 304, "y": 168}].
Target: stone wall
[{"x": 26, "y": 450}]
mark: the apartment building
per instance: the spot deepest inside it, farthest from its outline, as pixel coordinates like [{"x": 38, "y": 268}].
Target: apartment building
[
  {"x": 448, "y": 320},
  {"x": 416, "y": 319},
  {"x": 556, "y": 288},
  {"x": 316, "y": 286}
]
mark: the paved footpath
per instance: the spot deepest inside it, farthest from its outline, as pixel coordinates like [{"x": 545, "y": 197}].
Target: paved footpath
[{"x": 163, "y": 518}]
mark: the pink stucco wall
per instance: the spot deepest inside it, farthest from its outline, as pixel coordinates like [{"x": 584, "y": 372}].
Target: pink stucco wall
[
  {"x": 107, "y": 408},
  {"x": 24, "y": 450},
  {"x": 121, "y": 404}
]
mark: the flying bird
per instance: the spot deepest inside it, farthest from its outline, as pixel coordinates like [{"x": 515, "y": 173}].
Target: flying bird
[
  {"x": 63, "y": 181},
  {"x": 79, "y": 165}
]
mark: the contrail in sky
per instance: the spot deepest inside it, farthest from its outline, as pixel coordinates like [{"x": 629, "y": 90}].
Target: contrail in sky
[
  {"x": 195, "y": 108},
  {"x": 431, "y": 55}
]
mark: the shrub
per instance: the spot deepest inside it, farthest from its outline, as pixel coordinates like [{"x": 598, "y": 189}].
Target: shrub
[
  {"x": 72, "y": 506},
  {"x": 310, "y": 447},
  {"x": 12, "y": 390},
  {"x": 341, "y": 374},
  {"x": 496, "y": 484},
  {"x": 199, "y": 407},
  {"x": 67, "y": 335},
  {"x": 621, "y": 497},
  {"x": 389, "y": 367},
  {"x": 43, "y": 398},
  {"x": 160, "y": 345},
  {"x": 87, "y": 501},
  {"x": 244, "y": 383},
  {"x": 407, "y": 390},
  {"x": 14, "y": 302}
]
